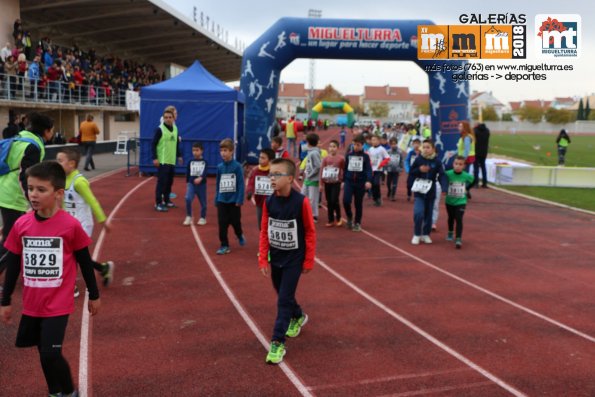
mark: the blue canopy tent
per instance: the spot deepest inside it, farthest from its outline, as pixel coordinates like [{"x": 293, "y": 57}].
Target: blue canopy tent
[{"x": 208, "y": 111}]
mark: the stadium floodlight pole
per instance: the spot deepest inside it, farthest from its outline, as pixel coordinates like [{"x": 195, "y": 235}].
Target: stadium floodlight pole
[{"x": 313, "y": 14}]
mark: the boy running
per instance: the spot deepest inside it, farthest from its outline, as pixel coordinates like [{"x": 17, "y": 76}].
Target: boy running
[
  {"x": 378, "y": 158},
  {"x": 456, "y": 198},
  {"x": 358, "y": 179},
  {"x": 196, "y": 185},
  {"x": 277, "y": 146},
  {"x": 46, "y": 244},
  {"x": 393, "y": 169},
  {"x": 289, "y": 236},
  {"x": 412, "y": 154},
  {"x": 311, "y": 188},
  {"x": 331, "y": 177},
  {"x": 229, "y": 196},
  {"x": 80, "y": 202},
  {"x": 259, "y": 183}
]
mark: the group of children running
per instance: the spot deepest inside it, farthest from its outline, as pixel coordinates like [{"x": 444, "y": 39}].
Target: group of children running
[{"x": 47, "y": 243}]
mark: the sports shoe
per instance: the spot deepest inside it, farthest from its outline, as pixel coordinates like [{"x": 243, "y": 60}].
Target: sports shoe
[
  {"x": 76, "y": 292},
  {"x": 201, "y": 222},
  {"x": 108, "y": 273},
  {"x": 169, "y": 204},
  {"x": 377, "y": 203},
  {"x": 449, "y": 236},
  {"x": 415, "y": 240},
  {"x": 242, "y": 240},
  {"x": 223, "y": 250},
  {"x": 172, "y": 195},
  {"x": 187, "y": 221},
  {"x": 356, "y": 227},
  {"x": 330, "y": 224},
  {"x": 315, "y": 219},
  {"x": 295, "y": 326},
  {"x": 458, "y": 244},
  {"x": 161, "y": 208},
  {"x": 339, "y": 223},
  {"x": 349, "y": 224},
  {"x": 276, "y": 353},
  {"x": 426, "y": 239}
]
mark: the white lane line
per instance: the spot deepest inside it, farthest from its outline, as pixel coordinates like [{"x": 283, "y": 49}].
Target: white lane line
[
  {"x": 106, "y": 175},
  {"x": 84, "y": 387},
  {"x": 423, "y": 333},
  {"x": 484, "y": 290},
  {"x": 291, "y": 375}
]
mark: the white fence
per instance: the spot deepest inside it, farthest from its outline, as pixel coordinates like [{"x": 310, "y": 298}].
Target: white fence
[{"x": 512, "y": 173}]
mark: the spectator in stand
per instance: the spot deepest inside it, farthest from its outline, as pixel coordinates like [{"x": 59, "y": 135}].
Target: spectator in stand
[
  {"x": 34, "y": 76},
  {"x": 17, "y": 28},
  {"x": 79, "y": 82},
  {"x": 27, "y": 45},
  {"x": 48, "y": 58},
  {"x": 89, "y": 132},
  {"x": 54, "y": 74},
  {"x": 22, "y": 68},
  {"x": 10, "y": 68},
  {"x": 5, "y": 52}
]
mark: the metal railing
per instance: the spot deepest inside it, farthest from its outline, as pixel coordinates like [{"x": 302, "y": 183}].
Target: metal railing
[{"x": 22, "y": 88}]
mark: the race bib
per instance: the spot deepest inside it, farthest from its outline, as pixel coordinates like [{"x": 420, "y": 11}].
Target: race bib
[
  {"x": 283, "y": 234},
  {"x": 227, "y": 183},
  {"x": 43, "y": 261},
  {"x": 421, "y": 185},
  {"x": 262, "y": 186},
  {"x": 457, "y": 189},
  {"x": 330, "y": 174},
  {"x": 70, "y": 207},
  {"x": 356, "y": 164},
  {"x": 197, "y": 168}
]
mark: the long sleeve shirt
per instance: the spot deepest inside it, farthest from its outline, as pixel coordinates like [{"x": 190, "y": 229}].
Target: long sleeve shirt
[{"x": 230, "y": 183}]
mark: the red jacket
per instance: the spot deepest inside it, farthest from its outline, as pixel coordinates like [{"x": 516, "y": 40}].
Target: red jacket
[{"x": 251, "y": 188}]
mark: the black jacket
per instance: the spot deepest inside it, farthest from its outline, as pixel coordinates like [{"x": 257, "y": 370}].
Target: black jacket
[{"x": 482, "y": 140}]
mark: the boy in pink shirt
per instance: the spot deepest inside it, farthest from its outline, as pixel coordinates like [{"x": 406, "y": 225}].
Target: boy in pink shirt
[{"x": 46, "y": 245}]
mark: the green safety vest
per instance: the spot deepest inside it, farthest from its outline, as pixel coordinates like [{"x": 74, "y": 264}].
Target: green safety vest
[
  {"x": 290, "y": 130},
  {"x": 11, "y": 192},
  {"x": 563, "y": 142},
  {"x": 461, "y": 147},
  {"x": 168, "y": 145},
  {"x": 427, "y": 133}
]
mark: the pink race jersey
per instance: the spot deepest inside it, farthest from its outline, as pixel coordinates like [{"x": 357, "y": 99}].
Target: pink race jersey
[{"x": 48, "y": 263}]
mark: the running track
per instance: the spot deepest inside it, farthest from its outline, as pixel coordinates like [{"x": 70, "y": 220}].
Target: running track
[{"x": 510, "y": 314}]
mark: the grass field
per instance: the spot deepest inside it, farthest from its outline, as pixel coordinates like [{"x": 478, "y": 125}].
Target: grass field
[
  {"x": 574, "y": 197},
  {"x": 535, "y": 149}
]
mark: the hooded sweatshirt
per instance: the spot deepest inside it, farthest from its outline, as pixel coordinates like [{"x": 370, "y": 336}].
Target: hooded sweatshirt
[{"x": 436, "y": 171}]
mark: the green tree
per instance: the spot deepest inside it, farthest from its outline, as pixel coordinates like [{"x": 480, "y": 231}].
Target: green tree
[
  {"x": 559, "y": 116},
  {"x": 531, "y": 113},
  {"x": 378, "y": 109},
  {"x": 592, "y": 116},
  {"x": 489, "y": 114},
  {"x": 587, "y": 110},
  {"x": 506, "y": 117},
  {"x": 423, "y": 108},
  {"x": 580, "y": 115}
]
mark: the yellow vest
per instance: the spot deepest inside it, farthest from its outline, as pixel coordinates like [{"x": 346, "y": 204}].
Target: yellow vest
[
  {"x": 11, "y": 192},
  {"x": 461, "y": 147},
  {"x": 290, "y": 129},
  {"x": 168, "y": 145}
]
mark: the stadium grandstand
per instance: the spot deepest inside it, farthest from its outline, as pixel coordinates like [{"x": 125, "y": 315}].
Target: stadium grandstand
[{"x": 70, "y": 58}]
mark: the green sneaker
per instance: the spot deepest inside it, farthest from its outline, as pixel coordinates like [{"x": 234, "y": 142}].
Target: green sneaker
[
  {"x": 458, "y": 244},
  {"x": 295, "y": 326},
  {"x": 449, "y": 236},
  {"x": 276, "y": 353}
]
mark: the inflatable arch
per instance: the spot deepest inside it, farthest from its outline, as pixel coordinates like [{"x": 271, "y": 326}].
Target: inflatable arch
[
  {"x": 292, "y": 38},
  {"x": 344, "y": 106}
]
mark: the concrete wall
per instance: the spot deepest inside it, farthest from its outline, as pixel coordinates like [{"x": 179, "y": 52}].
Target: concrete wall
[
  {"x": 579, "y": 127},
  {"x": 11, "y": 10}
]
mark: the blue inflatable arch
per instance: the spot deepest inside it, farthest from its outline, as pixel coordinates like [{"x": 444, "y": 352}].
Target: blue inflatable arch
[{"x": 292, "y": 38}]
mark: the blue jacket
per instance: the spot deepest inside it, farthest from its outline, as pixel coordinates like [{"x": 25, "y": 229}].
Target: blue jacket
[
  {"x": 358, "y": 177},
  {"x": 232, "y": 174},
  {"x": 34, "y": 71},
  {"x": 436, "y": 174}
]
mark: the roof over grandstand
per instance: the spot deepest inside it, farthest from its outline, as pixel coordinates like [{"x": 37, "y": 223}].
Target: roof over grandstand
[{"x": 142, "y": 30}]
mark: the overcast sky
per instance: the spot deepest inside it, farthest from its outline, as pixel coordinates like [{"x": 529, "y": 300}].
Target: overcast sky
[{"x": 248, "y": 20}]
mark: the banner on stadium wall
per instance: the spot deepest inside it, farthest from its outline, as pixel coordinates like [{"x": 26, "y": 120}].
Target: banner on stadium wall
[
  {"x": 132, "y": 101},
  {"x": 292, "y": 38}
]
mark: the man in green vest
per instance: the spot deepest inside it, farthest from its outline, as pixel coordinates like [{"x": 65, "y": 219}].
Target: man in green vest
[
  {"x": 291, "y": 137},
  {"x": 13, "y": 185},
  {"x": 165, "y": 151}
]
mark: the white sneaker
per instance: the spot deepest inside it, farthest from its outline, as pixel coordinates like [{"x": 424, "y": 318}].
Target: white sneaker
[
  {"x": 426, "y": 239},
  {"x": 415, "y": 240},
  {"x": 187, "y": 221},
  {"x": 201, "y": 222}
]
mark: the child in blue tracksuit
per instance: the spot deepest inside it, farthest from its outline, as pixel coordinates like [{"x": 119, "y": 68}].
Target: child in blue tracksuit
[
  {"x": 425, "y": 172},
  {"x": 229, "y": 196},
  {"x": 357, "y": 179},
  {"x": 196, "y": 184},
  {"x": 412, "y": 154}
]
